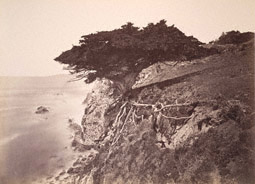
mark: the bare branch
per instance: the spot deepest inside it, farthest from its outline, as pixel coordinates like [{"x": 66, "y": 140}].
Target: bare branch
[
  {"x": 162, "y": 106},
  {"x": 142, "y": 105},
  {"x": 133, "y": 117},
  {"x": 177, "y": 105},
  {"x": 122, "y": 128},
  {"x": 124, "y": 111},
  {"x": 175, "y": 118},
  {"x": 120, "y": 113}
]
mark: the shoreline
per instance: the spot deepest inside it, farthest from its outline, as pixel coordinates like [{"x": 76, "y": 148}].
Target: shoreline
[{"x": 44, "y": 140}]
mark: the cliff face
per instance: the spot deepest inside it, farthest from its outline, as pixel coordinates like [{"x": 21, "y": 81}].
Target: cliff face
[{"x": 183, "y": 122}]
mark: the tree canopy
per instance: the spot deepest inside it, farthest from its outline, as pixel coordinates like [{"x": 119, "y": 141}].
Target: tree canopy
[
  {"x": 234, "y": 37},
  {"x": 114, "y": 54}
]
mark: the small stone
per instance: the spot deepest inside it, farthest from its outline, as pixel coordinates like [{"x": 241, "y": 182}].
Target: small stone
[{"x": 41, "y": 110}]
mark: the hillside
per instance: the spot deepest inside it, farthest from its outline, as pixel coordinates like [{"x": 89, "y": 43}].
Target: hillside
[{"x": 182, "y": 122}]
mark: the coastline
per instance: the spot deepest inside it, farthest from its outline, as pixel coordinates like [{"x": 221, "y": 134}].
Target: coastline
[
  {"x": 38, "y": 145},
  {"x": 194, "y": 126}
]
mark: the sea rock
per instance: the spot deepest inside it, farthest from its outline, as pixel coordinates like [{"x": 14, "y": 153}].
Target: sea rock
[{"x": 41, "y": 110}]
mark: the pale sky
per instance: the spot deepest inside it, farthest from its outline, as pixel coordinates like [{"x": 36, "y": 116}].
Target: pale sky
[{"x": 34, "y": 32}]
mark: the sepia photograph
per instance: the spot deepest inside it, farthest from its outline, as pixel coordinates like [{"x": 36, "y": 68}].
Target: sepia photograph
[{"x": 127, "y": 92}]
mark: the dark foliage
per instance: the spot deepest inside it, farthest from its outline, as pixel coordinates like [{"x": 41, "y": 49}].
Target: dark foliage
[
  {"x": 114, "y": 54},
  {"x": 234, "y": 37}
]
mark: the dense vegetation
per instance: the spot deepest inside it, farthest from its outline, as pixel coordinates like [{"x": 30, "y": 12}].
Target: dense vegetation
[
  {"x": 234, "y": 37},
  {"x": 114, "y": 54}
]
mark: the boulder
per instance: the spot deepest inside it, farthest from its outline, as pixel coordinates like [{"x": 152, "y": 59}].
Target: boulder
[{"x": 41, "y": 110}]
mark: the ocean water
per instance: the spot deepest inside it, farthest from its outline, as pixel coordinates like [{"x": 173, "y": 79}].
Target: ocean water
[{"x": 33, "y": 145}]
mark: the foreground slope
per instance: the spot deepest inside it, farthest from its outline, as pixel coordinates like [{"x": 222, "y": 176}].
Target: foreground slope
[{"x": 183, "y": 122}]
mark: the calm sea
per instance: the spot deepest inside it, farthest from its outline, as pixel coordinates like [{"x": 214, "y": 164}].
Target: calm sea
[{"x": 37, "y": 145}]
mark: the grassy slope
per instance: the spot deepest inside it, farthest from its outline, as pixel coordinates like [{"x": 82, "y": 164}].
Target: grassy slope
[{"x": 223, "y": 87}]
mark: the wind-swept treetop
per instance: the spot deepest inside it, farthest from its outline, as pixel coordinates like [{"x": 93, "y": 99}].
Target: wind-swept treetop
[{"x": 114, "y": 54}]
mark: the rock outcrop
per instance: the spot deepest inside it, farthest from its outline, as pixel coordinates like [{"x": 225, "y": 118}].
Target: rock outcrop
[
  {"x": 41, "y": 110},
  {"x": 95, "y": 122}
]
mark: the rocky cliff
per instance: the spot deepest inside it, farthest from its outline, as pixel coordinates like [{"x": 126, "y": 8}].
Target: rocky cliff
[{"x": 182, "y": 122}]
